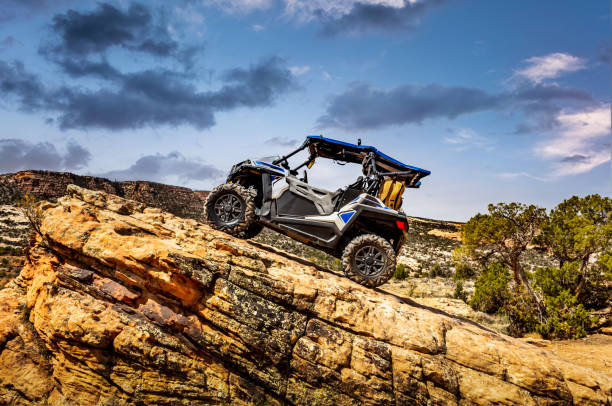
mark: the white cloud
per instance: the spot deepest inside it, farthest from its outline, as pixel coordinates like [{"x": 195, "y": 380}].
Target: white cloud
[
  {"x": 581, "y": 142},
  {"x": 467, "y": 138},
  {"x": 583, "y": 163},
  {"x": 257, "y": 27},
  {"x": 514, "y": 175},
  {"x": 540, "y": 68},
  {"x": 18, "y": 154},
  {"x": 188, "y": 14},
  {"x": 240, "y": 6},
  {"x": 299, "y": 70},
  {"x": 306, "y": 10},
  {"x": 326, "y": 75}
]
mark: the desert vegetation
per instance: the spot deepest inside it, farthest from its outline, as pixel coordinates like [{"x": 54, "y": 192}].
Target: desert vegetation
[{"x": 554, "y": 300}]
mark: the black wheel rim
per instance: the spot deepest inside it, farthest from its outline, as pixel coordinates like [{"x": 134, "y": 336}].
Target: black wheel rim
[
  {"x": 369, "y": 261},
  {"x": 228, "y": 209}
]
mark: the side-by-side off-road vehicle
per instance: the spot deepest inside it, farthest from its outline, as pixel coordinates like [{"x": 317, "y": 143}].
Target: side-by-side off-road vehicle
[{"x": 361, "y": 223}]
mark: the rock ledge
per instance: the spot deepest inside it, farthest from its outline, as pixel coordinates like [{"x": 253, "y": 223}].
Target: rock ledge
[{"x": 125, "y": 304}]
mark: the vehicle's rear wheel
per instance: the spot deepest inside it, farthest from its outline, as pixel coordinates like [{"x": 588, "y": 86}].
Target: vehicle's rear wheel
[
  {"x": 231, "y": 208},
  {"x": 369, "y": 260}
]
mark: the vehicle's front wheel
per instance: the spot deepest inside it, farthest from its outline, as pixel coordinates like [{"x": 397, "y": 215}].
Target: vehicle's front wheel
[
  {"x": 369, "y": 260},
  {"x": 231, "y": 208},
  {"x": 252, "y": 231}
]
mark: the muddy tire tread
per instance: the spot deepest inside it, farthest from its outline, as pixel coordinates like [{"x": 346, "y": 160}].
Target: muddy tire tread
[
  {"x": 366, "y": 239},
  {"x": 249, "y": 211}
]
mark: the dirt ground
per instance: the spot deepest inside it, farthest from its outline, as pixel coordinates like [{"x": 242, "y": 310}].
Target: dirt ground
[{"x": 594, "y": 351}]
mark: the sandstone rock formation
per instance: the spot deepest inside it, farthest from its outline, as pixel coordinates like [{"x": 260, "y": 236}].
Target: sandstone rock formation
[
  {"x": 49, "y": 185},
  {"x": 14, "y": 230},
  {"x": 125, "y": 304}
]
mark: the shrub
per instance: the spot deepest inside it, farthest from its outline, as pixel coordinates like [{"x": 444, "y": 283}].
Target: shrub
[
  {"x": 566, "y": 318},
  {"x": 552, "y": 281},
  {"x": 436, "y": 270},
  {"x": 596, "y": 291},
  {"x": 418, "y": 273},
  {"x": 31, "y": 210},
  {"x": 463, "y": 272},
  {"x": 522, "y": 314},
  {"x": 491, "y": 289},
  {"x": 400, "y": 272},
  {"x": 598, "y": 285},
  {"x": 459, "y": 292},
  {"x": 13, "y": 251},
  {"x": 604, "y": 265}
]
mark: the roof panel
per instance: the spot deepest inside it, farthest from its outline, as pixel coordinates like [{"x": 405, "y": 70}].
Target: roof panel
[{"x": 340, "y": 150}]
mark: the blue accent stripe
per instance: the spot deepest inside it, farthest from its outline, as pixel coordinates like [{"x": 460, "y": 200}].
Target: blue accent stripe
[
  {"x": 278, "y": 168},
  {"x": 347, "y": 216},
  {"x": 369, "y": 148}
]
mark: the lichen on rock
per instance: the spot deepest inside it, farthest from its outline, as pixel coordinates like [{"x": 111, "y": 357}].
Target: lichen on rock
[{"x": 127, "y": 304}]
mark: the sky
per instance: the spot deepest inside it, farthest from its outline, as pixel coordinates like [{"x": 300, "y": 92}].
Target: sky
[{"x": 501, "y": 101}]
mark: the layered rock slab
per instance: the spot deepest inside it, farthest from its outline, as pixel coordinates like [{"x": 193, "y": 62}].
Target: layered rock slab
[{"x": 121, "y": 303}]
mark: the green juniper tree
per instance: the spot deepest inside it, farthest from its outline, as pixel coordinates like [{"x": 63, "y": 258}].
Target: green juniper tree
[
  {"x": 555, "y": 300},
  {"x": 502, "y": 235},
  {"x": 576, "y": 229}
]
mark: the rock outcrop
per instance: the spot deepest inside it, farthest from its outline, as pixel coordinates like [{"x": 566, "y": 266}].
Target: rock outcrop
[
  {"x": 126, "y": 304},
  {"x": 49, "y": 185},
  {"x": 14, "y": 230}
]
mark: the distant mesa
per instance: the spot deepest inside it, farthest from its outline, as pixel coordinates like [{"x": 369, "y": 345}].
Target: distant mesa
[{"x": 49, "y": 185}]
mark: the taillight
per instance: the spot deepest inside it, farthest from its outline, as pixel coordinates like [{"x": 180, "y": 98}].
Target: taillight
[{"x": 401, "y": 225}]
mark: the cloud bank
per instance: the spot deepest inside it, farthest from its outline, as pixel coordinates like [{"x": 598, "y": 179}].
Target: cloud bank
[
  {"x": 172, "y": 167},
  {"x": 581, "y": 143},
  {"x": 17, "y": 155},
  {"x": 375, "y": 15},
  {"x": 362, "y": 106},
  {"x": 151, "y": 97}
]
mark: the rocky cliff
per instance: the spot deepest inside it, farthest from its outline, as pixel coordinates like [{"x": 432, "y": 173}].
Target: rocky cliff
[
  {"x": 49, "y": 185},
  {"x": 121, "y": 303}
]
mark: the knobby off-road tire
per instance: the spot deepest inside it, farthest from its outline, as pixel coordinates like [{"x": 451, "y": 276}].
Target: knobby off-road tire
[
  {"x": 251, "y": 231},
  {"x": 369, "y": 260},
  {"x": 231, "y": 208}
]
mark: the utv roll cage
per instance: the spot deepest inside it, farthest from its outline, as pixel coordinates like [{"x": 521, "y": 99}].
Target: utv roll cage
[{"x": 376, "y": 165}]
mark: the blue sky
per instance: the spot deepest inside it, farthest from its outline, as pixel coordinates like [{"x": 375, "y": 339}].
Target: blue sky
[{"x": 502, "y": 101}]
